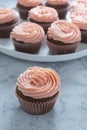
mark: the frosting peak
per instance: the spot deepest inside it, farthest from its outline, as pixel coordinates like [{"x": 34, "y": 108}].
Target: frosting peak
[
  {"x": 30, "y": 3},
  {"x": 64, "y": 31},
  {"x": 57, "y": 2},
  {"x": 28, "y": 32},
  {"x": 43, "y": 14},
  {"x": 7, "y": 15},
  {"x": 38, "y": 82}
]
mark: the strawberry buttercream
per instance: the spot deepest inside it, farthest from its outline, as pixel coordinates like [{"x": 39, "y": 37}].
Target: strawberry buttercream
[
  {"x": 38, "y": 82},
  {"x": 64, "y": 31},
  {"x": 28, "y": 32}
]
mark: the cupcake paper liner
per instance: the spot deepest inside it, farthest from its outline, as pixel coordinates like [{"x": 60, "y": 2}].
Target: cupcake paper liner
[
  {"x": 37, "y": 108},
  {"x": 62, "y": 13},
  {"x": 61, "y": 10},
  {"x": 45, "y": 26},
  {"x": 61, "y": 49},
  {"x": 83, "y": 36},
  {"x": 23, "y": 11},
  {"x": 6, "y": 28},
  {"x": 27, "y": 47}
]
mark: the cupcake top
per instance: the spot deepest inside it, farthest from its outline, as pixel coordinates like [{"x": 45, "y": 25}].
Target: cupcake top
[
  {"x": 28, "y": 32},
  {"x": 7, "y": 15},
  {"x": 57, "y": 2},
  {"x": 82, "y": 1},
  {"x": 29, "y": 3},
  {"x": 79, "y": 17},
  {"x": 38, "y": 82},
  {"x": 43, "y": 14},
  {"x": 79, "y": 4},
  {"x": 64, "y": 31}
]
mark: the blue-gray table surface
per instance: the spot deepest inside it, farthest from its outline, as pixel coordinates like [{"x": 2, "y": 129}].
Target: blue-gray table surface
[{"x": 70, "y": 110}]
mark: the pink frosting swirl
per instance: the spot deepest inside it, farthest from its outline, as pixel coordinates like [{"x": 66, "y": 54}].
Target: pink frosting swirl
[
  {"x": 7, "y": 15},
  {"x": 79, "y": 14},
  {"x": 82, "y": 2},
  {"x": 30, "y": 3},
  {"x": 79, "y": 5},
  {"x": 28, "y": 32},
  {"x": 57, "y": 2},
  {"x": 38, "y": 82},
  {"x": 64, "y": 31},
  {"x": 43, "y": 14}
]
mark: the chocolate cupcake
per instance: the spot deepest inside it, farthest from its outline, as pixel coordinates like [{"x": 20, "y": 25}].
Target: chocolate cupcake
[
  {"x": 8, "y": 20},
  {"x": 79, "y": 17},
  {"x": 62, "y": 6},
  {"x": 43, "y": 16},
  {"x": 37, "y": 90},
  {"x": 25, "y": 5},
  {"x": 27, "y": 37},
  {"x": 63, "y": 37}
]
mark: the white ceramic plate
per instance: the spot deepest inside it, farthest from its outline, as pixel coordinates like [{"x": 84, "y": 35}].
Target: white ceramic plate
[
  {"x": 6, "y": 47},
  {"x": 43, "y": 55}
]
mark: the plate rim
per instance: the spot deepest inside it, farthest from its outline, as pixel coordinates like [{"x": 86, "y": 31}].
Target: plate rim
[{"x": 42, "y": 58}]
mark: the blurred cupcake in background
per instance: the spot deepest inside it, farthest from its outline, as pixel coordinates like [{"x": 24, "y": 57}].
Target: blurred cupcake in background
[
  {"x": 78, "y": 5},
  {"x": 63, "y": 37},
  {"x": 62, "y": 6},
  {"x": 78, "y": 15},
  {"x": 8, "y": 20},
  {"x": 27, "y": 37},
  {"x": 82, "y": 2},
  {"x": 43, "y": 16},
  {"x": 25, "y": 5}
]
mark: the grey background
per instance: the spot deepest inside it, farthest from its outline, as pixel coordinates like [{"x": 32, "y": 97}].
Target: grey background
[{"x": 70, "y": 111}]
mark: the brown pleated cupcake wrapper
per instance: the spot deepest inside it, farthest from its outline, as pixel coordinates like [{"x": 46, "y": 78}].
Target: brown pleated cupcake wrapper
[
  {"x": 23, "y": 15},
  {"x": 45, "y": 26},
  {"x": 6, "y": 29},
  {"x": 5, "y": 33},
  {"x": 61, "y": 49},
  {"x": 62, "y": 12},
  {"x": 27, "y": 47},
  {"x": 37, "y": 108},
  {"x": 84, "y": 36},
  {"x": 23, "y": 11}
]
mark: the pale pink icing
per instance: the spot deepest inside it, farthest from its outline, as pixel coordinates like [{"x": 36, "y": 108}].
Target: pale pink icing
[
  {"x": 43, "y": 14},
  {"x": 79, "y": 17},
  {"x": 30, "y": 3},
  {"x": 38, "y": 82},
  {"x": 57, "y": 2},
  {"x": 28, "y": 32},
  {"x": 78, "y": 5},
  {"x": 82, "y": 1},
  {"x": 64, "y": 31},
  {"x": 6, "y": 15}
]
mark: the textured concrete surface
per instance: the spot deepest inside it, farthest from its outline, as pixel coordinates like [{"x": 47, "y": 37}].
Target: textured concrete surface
[{"x": 70, "y": 111}]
